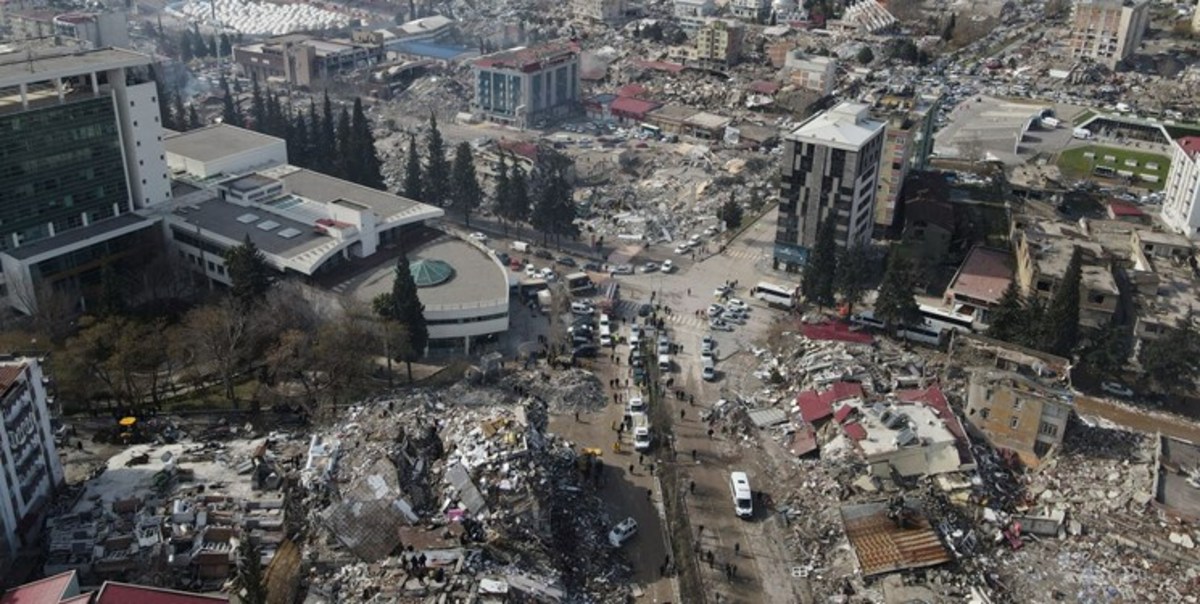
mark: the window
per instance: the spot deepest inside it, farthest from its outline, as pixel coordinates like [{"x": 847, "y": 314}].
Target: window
[
  {"x": 1016, "y": 404},
  {"x": 1043, "y": 285},
  {"x": 985, "y": 412},
  {"x": 1048, "y": 429},
  {"x": 1096, "y": 298},
  {"x": 1012, "y": 423}
]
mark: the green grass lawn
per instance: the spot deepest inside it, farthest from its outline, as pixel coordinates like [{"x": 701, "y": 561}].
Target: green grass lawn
[
  {"x": 1074, "y": 164},
  {"x": 1086, "y": 115}
]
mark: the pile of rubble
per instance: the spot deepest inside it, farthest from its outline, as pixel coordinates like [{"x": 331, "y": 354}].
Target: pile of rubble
[
  {"x": 562, "y": 391},
  {"x": 429, "y": 497}
]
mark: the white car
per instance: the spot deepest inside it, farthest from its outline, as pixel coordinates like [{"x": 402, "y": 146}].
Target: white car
[
  {"x": 719, "y": 325},
  {"x": 480, "y": 237},
  {"x": 1117, "y": 389},
  {"x": 708, "y": 343},
  {"x": 622, "y": 532},
  {"x": 722, "y": 291},
  {"x": 683, "y": 248},
  {"x": 668, "y": 266},
  {"x": 712, "y": 230},
  {"x": 715, "y": 310},
  {"x": 708, "y": 373},
  {"x": 737, "y": 304},
  {"x": 694, "y": 240},
  {"x": 649, "y": 267},
  {"x": 582, "y": 308}
]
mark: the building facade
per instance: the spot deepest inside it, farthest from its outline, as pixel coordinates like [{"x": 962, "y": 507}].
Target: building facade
[
  {"x": 691, "y": 14},
  {"x": 814, "y": 73},
  {"x": 80, "y": 150},
  {"x": 1181, "y": 196},
  {"x": 1108, "y": 31},
  {"x": 830, "y": 167},
  {"x": 526, "y": 87},
  {"x": 718, "y": 43},
  {"x": 1018, "y": 413},
  {"x": 908, "y": 142},
  {"x": 32, "y": 469},
  {"x": 606, "y": 11},
  {"x": 93, "y": 29},
  {"x": 304, "y": 60},
  {"x": 755, "y": 11}
]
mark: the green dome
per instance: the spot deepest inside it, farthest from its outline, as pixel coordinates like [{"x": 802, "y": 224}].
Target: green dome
[{"x": 428, "y": 273}]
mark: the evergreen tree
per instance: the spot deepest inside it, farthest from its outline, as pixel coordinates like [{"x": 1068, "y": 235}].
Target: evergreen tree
[
  {"x": 554, "y": 211},
  {"x": 346, "y": 166},
  {"x": 1173, "y": 360},
  {"x": 1032, "y": 333},
  {"x": 230, "y": 113},
  {"x": 212, "y": 46},
  {"x": 327, "y": 142},
  {"x": 193, "y": 119},
  {"x": 369, "y": 167},
  {"x": 465, "y": 193},
  {"x": 277, "y": 124},
  {"x": 248, "y": 581},
  {"x": 111, "y": 302},
  {"x": 413, "y": 185},
  {"x": 542, "y": 218},
  {"x": 503, "y": 192},
  {"x": 179, "y": 116},
  {"x": 298, "y": 143},
  {"x": 316, "y": 158},
  {"x": 730, "y": 212},
  {"x": 1108, "y": 352},
  {"x": 895, "y": 304},
  {"x": 865, "y": 56},
  {"x": 821, "y": 266},
  {"x": 437, "y": 170},
  {"x": 226, "y": 46},
  {"x": 404, "y": 307},
  {"x": 249, "y": 273},
  {"x": 258, "y": 106},
  {"x": 165, "y": 103},
  {"x": 1061, "y": 322},
  {"x": 185, "y": 46},
  {"x": 519, "y": 206},
  {"x": 853, "y": 269},
  {"x": 1007, "y": 319},
  {"x": 948, "y": 30}
]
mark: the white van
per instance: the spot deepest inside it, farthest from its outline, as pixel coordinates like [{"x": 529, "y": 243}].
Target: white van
[
  {"x": 641, "y": 432},
  {"x": 604, "y": 320},
  {"x": 635, "y": 336},
  {"x": 743, "y": 497},
  {"x": 520, "y": 246},
  {"x": 605, "y": 335},
  {"x": 708, "y": 370},
  {"x": 664, "y": 363},
  {"x": 637, "y": 405}
]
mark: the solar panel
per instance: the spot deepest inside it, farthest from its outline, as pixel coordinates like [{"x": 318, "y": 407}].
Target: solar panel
[
  {"x": 247, "y": 218},
  {"x": 288, "y": 233},
  {"x": 267, "y": 225}
]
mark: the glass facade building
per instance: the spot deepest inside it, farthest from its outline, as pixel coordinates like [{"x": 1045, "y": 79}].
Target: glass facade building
[{"x": 60, "y": 167}]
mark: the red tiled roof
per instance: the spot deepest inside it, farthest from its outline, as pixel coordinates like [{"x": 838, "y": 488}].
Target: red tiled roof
[
  {"x": 522, "y": 148},
  {"x": 936, "y": 400},
  {"x": 855, "y": 431},
  {"x": 50, "y": 590},
  {"x": 804, "y": 440},
  {"x": 9, "y": 375},
  {"x": 984, "y": 275},
  {"x": 763, "y": 87},
  {"x": 631, "y": 90},
  {"x": 1189, "y": 144},
  {"x": 815, "y": 405},
  {"x": 1124, "y": 208},
  {"x": 834, "y": 331},
  {"x": 631, "y": 106},
  {"x": 124, "y": 593},
  {"x": 840, "y": 415}
]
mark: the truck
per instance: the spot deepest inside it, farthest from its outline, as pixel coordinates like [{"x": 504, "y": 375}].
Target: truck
[
  {"x": 1050, "y": 122},
  {"x": 520, "y": 247},
  {"x": 1082, "y": 133},
  {"x": 545, "y": 300}
]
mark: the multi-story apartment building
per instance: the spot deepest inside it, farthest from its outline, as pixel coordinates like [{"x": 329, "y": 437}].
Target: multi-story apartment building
[
  {"x": 1043, "y": 250},
  {"x": 599, "y": 10},
  {"x": 80, "y": 150},
  {"x": 1108, "y": 31},
  {"x": 1018, "y": 413},
  {"x": 691, "y": 14},
  {"x": 718, "y": 43},
  {"x": 304, "y": 60},
  {"x": 756, "y": 11},
  {"x": 814, "y": 73},
  {"x": 31, "y": 467},
  {"x": 830, "y": 168},
  {"x": 526, "y": 86},
  {"x": 1181, "y": 196},
  {"x": 908, "y": 141}
]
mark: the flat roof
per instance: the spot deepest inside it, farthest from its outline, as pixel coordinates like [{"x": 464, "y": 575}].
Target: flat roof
[
  {"x": 632, "y": 105},
  {"x": 226, "y": 220},
  {"x": 709, "y": 121},
  {"x": 95, "y": 229},
  {"x": 477, "y": 276},
  {"x": 882, "y": 546},
  {"x": 984, "y": 274},
  {"x": 674, "y": 113},
  {"x": 527, "y": 58},
  {"x": 847, "y": 124},
  {"x": 327, "y": 189},
  {"x": 444, "y": 52},
  {"x": 17, "y": 68},
  {"x": 216, "y": 141}
]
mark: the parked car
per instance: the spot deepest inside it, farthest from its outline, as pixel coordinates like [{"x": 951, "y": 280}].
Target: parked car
[
  {"x": 722, "y": 291},
  {"x": 1117, "y": 389},
  {"x": 715, "y": 310},
  {"x": 719, "y": 325},
  {"x": 623, "y": 532},
  {"x": 593, "y": 266},
  {"x": 544, "y": 254},
  {"x": 582, "y": 308},
  {"x": 585, "y": 350},
  {"x": 566, "y": 261},
  {"x": 623, "y": 269},
  {"x": 649, "y": 267},
  {"x": 736, "y": 304},
  {"x": 480, "y": 237},
  {"x": 645, "y": 310},
  {"x": 668, "y": 266},
  {"x": 683, "y": 248},
  {"x": 708, "y": 343}
]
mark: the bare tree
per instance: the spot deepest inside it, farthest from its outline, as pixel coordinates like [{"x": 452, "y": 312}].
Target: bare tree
[
  {"x": 220, "y": 333},
  {"x": 51, "y": 309}
]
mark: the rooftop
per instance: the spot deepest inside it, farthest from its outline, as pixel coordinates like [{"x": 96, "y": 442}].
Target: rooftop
[
  {"x": 847, "y": 124},
  {"x": 674, "y": 113},
  {"x": 1189, "y": 144},
  {"x": 632, "y": 106},
  {"x": 882, "y": 546},
  {"x": 890, "y": 428},
  {"x": 17, "y": 68},
  {"x": 216, "y": 141},
  {"x": 50, "y": 590},
  {"x": 327, "y": 189},
  {"x": 124, "y": 593},
  {"x": 477, "y": 276},
  {"x": 236, "y": 222},
  {"x": 528, "y": 58},
  {"x": 984, "y": 274},
  {"x": 709, "y": 121},
  {"x": 9, "y": 372},
  {"x": 115, "y": 226},
  {"x": 813, "y": 405}
]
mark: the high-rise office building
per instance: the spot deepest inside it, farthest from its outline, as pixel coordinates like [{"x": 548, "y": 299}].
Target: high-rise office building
[
  {"x": 31, "y": 468},
  {"x": 80, "y": 149},
  {"x": 830, "y": 167},
  {"x": 1108, "y": 31}
]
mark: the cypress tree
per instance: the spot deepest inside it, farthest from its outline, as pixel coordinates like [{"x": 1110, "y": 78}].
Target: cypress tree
[
  {"x": 346, "y": 167},
  {"x": 327, "y": 141},
  {"x": 249, "y": 274},
  {"x": 258, "y": 106},
  {"x": 407, "y": 310},
  {"x": 298, "y": 143},
  {"x": 817, "y": 280},
  {"x": 465, "y": 193},
  {"x": 1061, "y": 320},
  {"x": 230, "y": 114},
  {"x": 519, "y": 206},
  {"x": 185, "y": 46},
  {"x": 895, "y": 304},
  {"x": 852, "y": 270},
  {"x": 437, "y": 170},
  {"x": 413, "y": 182},
  {"x": 369, "y": 167},
  {"x": 503, "y": 200},
  {"x": 179, "y": 116},
  {"x": 193, "y": 118},
  {"x": 1008, "y": 318}
]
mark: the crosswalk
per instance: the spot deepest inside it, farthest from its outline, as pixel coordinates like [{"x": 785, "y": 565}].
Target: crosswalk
[
  {"x": 744, "y": 253},
  {"x": 628, "y": 309}
]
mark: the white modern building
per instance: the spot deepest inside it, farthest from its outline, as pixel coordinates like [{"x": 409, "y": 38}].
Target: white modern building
[
  {"x": 830, "y": 167},
  {"x": 755, "y": 11},
  {"x": 1181, "y": 196},
  {"x": 80, "y": 151},
  {"x": 810, "y": 72},
  {"x": 692, "y": 14},
  {"x": 32, "y": 469}
]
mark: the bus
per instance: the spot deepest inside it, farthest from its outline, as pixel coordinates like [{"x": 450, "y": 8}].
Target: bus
[
  {"x": 942, "y": 319},
  {"x": 579, "y": 283},
  {"x": 781, "y": 296},
  {"x": 925, "y": 332},
  {"x": 650, "y": 129}
]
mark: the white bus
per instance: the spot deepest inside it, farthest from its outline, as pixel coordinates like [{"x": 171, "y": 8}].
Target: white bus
[
  {"x": 782, "y": 296},
  {"x": 942, "y": 319}
]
